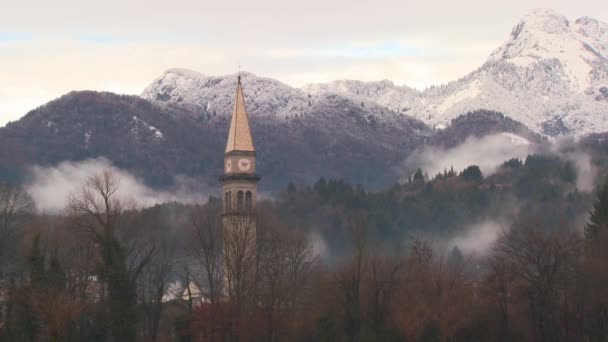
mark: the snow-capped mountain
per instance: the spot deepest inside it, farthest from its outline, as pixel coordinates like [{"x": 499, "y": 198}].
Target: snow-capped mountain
[
  {"x": 265, "y": 97},
  {"x": 215, "y": 94},
  {"x": 546, "y": 35},
  {"x": 551, "y": 75}
]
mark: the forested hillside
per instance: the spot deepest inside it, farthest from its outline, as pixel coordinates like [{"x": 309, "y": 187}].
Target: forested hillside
[
  {"x": 158, "y": 143},
  {"x": 458, "y": 256}
]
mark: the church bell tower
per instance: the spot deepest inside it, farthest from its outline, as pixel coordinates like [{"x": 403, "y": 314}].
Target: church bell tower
[
  {"x": 239, "y": 179},
  {"x": 239, "y": 221}
]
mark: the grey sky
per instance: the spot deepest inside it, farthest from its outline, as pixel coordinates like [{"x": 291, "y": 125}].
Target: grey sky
[{"x": 48, "y": 48}]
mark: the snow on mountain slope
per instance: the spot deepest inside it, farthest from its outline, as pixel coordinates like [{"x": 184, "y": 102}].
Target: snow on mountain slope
[
  {"x": 215, "y": 94},
  {"x": 267, "y": 98},
  {"x": 593, "y": 32},
  {"x": 544, "y": 35},
  {"x": 384, "y": 93},
  {"x": 551, "y": 75},
  {"x": 515, "y": 139}
]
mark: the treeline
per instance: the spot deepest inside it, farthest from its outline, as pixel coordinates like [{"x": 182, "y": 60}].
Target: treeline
[
  {"x": 440, "y": 206},
  {"x": 106, "y": 270}
]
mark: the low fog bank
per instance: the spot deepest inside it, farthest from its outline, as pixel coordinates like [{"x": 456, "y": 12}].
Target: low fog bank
[
  {"x": 487, "y": 152},
  {"x": 490, "y": 151},
  {"x": 51, "y": 187},
  {"x": 586, "y": 172},
  {"x": 478, "y": 239},
  {"x": 319, "y": 246}
]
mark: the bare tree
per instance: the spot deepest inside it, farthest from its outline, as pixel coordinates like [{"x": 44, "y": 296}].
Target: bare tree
[
  {"x": 207, "y": 250},
  {"x": 240, "y": 263},
  {"x": 301, "y": 263},
  {"x": 349, "y": 279},
  {"x": 499, "y": 281},
  {"x": 286, "y": 262},
  {"x": 98, "y": 211},
  {"x": 151, "y": 286},
  {"x": 78, "y": 256},
  {"x": 15, "y": 205},
  {"x": 240, "y": 257},
  {"x": 450, "y": 292},
  {"x": 386, "y": 275},
  {"x": 544, "y": 263},
  {"x": 206, "y": 226}
]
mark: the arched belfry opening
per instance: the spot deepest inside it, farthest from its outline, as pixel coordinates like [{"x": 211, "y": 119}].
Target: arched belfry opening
[{"x": 248, "y": 201}]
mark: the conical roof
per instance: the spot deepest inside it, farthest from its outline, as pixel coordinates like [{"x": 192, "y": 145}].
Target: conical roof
[{"x": 239, "y": 136}]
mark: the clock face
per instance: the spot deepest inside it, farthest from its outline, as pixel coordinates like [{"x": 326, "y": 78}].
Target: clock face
[
  {"x": 244, "y": 164},
  {"x": 228, "y": 165}
]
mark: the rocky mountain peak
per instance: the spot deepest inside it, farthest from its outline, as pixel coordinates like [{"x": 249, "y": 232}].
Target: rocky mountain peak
[
  {"x": 545, "y": 35},
  {"x": 549, "y": 70},
  {"x": 542, "y": 20}
]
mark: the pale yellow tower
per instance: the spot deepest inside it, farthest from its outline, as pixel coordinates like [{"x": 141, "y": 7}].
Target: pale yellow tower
[{"x": 239, "y": 192}]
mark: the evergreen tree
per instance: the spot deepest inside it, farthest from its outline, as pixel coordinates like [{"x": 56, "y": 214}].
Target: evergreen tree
[
  {"x": 472, "y": 173},
  {"x": 512, "y": 163},
  {"x": 598, "y": 219},
  {"x": 456, "y": 257},
  {"x": 418, "y": 176},
  {"x": 595, "y": 232}
]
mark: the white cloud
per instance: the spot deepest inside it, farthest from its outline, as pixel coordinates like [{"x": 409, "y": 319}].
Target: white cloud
[
  {"x": 478, "y": 239},
  {"x": 487, "y": 152},
  {"x": 586, "y": 172},
  {"x": 51, "y": 187}
]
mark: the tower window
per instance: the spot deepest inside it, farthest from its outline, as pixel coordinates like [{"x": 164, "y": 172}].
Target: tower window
[
  {"x": 248, "y": 201},
  {"x": 228, "y": 201},
  {"x": 239, "y": 201}
]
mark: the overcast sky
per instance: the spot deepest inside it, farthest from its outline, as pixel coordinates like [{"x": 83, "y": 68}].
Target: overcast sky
[{"x": 48, "y": 48}]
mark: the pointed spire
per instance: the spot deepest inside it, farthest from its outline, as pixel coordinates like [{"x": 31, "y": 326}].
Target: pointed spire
[{"x": 239, "y": 136}]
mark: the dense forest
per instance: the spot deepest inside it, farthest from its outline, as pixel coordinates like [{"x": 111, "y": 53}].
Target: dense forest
[{"x": 332, "y": 262}]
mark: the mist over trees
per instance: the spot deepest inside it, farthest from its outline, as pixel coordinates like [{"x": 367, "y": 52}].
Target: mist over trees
[{"x": 331, "y": 262}]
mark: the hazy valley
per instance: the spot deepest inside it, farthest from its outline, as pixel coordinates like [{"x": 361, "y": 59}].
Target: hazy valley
[{"x": 475, "y": 210}]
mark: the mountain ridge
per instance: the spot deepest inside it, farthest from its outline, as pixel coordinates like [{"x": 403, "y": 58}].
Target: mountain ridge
[
  {"x": 354, "y": 130},
  {"x": 158, "y": 142},
  {"x": 528, "y": 79}
]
